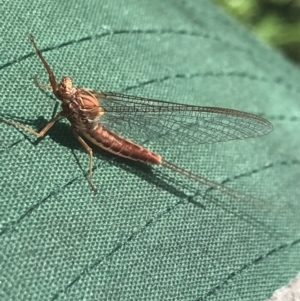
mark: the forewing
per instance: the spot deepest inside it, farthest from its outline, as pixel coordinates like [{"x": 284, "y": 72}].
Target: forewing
[{"x": 141, "y": 119}]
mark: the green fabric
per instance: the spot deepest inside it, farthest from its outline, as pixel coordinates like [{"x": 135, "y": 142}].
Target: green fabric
[{"x": 149, "y": 234}]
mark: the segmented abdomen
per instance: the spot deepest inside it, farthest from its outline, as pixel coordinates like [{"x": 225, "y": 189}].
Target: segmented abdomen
[{"x": 120, "y": 146}]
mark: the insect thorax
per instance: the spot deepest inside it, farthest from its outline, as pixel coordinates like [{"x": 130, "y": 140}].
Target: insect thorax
[{"x": 82, "y": 109}]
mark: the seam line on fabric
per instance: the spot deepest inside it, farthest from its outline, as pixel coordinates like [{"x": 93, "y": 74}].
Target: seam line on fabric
[
  {"x": 116, "y": 248},
  {"x": 111, "y": 32},
  {"x": 253, "y": 262}
]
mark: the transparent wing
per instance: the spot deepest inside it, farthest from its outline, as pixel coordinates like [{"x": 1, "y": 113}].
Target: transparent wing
[{"x": 141, "y": 119}]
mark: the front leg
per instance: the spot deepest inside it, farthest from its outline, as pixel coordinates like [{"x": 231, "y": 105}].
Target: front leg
[
  {"x": 32, "y": 131},
  {"x": 47, "y": 67},
  {"x": 40, "y": 85}
]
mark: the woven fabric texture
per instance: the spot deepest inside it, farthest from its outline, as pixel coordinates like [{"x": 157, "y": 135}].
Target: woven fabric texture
[{"x": 149, "y": 234}]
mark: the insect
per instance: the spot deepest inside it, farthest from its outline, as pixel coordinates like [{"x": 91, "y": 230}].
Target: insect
[{"x": 98, "y": 116}]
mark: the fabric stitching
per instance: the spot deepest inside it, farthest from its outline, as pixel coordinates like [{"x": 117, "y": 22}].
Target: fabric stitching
[
  {"x": 120, "y": 245},
  {"x": 253, "y": 262},
  {"x": 239, "y": 74},
  {"x": 141, "y": 229},
  {"x": 138, "y": 31}
]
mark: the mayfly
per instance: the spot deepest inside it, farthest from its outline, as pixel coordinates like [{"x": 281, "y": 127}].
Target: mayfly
[{"x": 98, "y": 117}]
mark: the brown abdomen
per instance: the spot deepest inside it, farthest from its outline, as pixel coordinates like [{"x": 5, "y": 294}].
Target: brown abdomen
[{"x": 120, "y": 146}]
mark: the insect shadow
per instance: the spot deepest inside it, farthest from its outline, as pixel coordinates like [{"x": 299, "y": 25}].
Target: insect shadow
[{"x": 61, "y": 134}]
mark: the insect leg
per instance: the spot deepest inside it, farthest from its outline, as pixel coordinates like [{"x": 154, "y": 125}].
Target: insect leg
[
  {"x": 90, "y": 152},
  {"x": 39, "y": 84},
  {"x": 32, "y": 131},
  {"x": 50, "y": 72}
]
